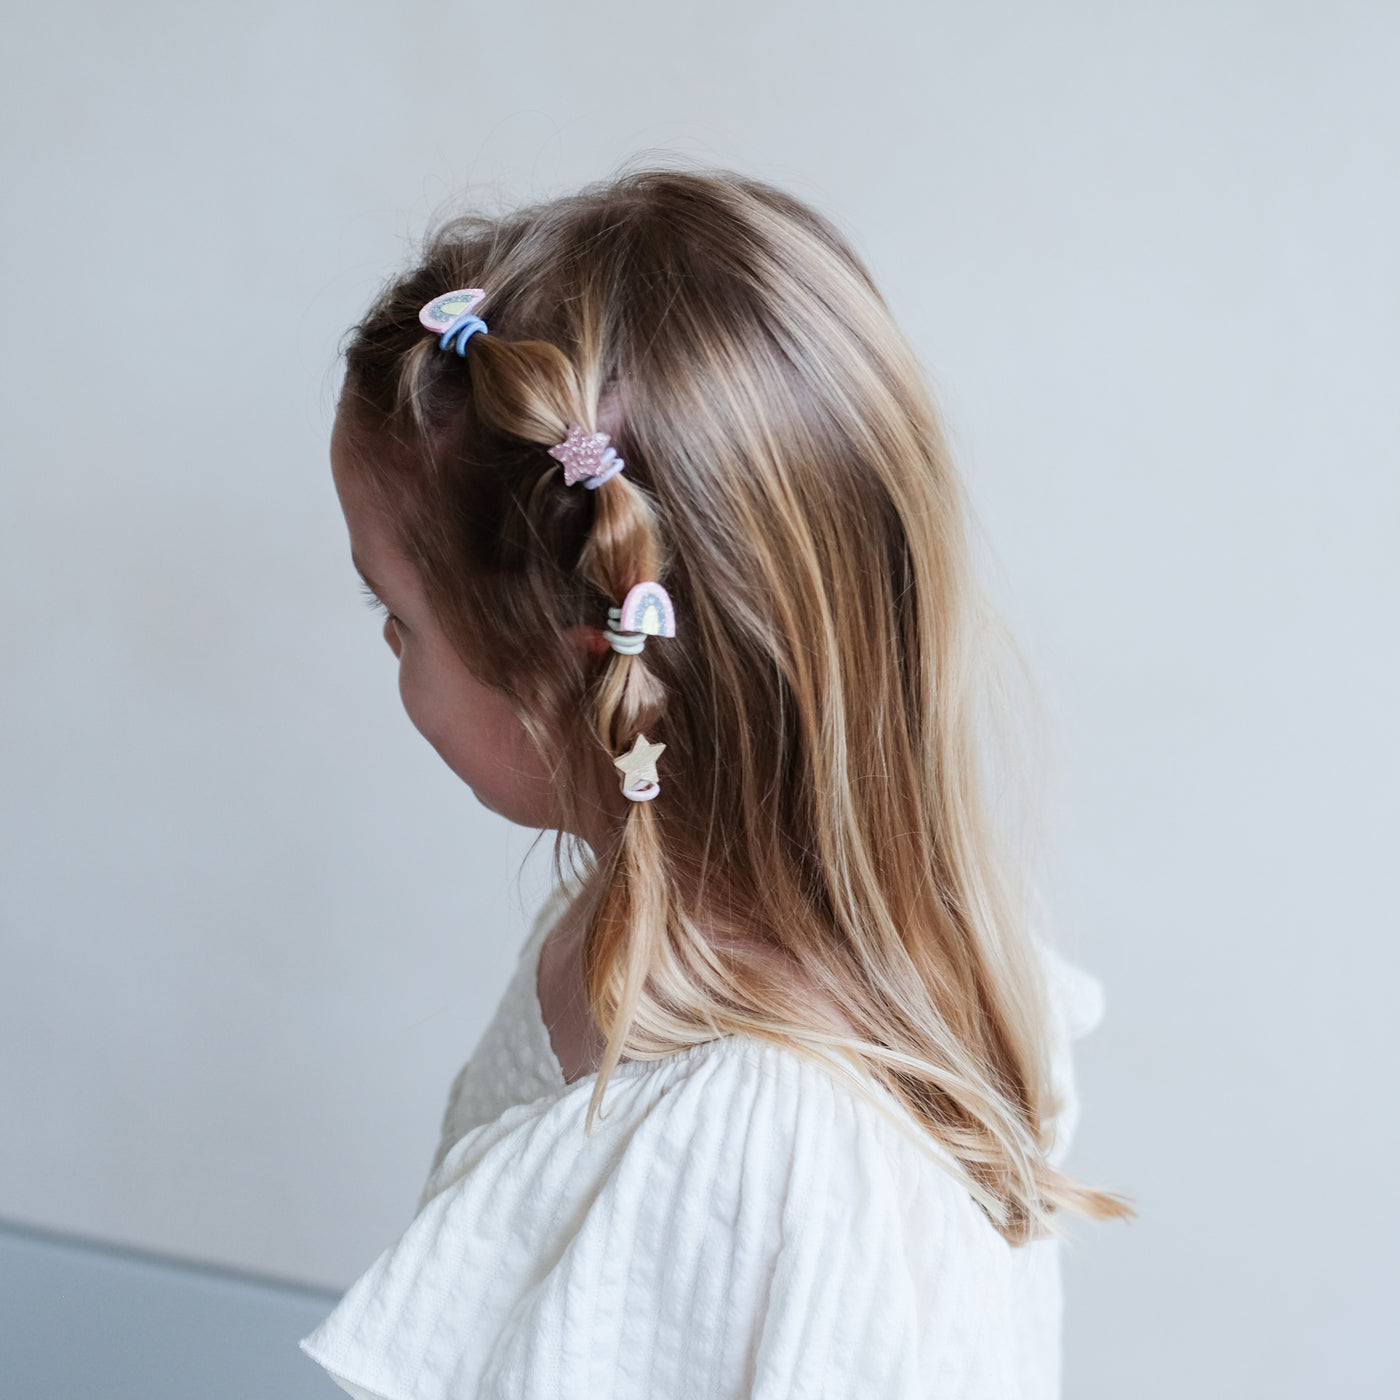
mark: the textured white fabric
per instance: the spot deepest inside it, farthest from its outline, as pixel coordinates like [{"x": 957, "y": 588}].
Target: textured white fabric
[{"x": 740, "y": 1223}]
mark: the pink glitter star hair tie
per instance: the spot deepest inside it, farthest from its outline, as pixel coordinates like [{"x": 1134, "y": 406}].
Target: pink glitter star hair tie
[{"x": 587, "y": 458}]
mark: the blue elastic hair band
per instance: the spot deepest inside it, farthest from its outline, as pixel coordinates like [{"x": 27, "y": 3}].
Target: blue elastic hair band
[{"x": 460, "y": 331}]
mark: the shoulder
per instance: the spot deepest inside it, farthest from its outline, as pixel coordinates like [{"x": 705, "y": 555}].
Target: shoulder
[{"x": 739, "y": 1221}]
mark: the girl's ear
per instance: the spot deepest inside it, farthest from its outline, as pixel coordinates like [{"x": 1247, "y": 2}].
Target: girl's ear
[{"x": 589, "y": 640}]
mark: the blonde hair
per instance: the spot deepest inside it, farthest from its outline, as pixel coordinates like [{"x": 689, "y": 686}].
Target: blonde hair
[{"x": 787, "y": 481}]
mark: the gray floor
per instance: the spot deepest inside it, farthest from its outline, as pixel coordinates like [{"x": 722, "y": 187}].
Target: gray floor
[{"x": 85, "y": 1322}]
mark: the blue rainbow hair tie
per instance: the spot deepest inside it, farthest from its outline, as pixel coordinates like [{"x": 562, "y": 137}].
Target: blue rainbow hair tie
[{"x": 452, "y": 316}]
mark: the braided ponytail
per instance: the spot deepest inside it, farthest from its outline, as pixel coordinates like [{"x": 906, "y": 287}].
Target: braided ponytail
[
  {"x": 629, "y": 934},
  {"x": 532, "y": 391}
]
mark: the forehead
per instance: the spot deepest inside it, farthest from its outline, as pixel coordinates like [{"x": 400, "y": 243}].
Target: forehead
[{"x": 373, "y": 548}]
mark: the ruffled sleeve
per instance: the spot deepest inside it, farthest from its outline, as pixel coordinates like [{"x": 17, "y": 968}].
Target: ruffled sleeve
[{"x": 740, "y": 1223}]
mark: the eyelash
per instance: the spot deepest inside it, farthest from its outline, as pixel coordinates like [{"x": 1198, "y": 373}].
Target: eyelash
[{"x": 373, "y": 600}]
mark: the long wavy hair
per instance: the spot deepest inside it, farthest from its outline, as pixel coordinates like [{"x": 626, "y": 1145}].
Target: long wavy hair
[{"x": 788, "y": 483}]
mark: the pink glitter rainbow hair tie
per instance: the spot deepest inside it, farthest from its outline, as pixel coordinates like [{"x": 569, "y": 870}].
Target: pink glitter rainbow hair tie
[
  {"x": 587, "y": 458},
  {"x": 646, "y": 611},
  {"x": 452, "y": 317}
]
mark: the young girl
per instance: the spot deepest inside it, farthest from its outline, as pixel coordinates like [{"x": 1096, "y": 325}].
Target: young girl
[{"x": 674, "y": 564}]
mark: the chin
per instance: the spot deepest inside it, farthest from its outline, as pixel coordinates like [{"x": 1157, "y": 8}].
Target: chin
[{"x": 512, "y": 811}]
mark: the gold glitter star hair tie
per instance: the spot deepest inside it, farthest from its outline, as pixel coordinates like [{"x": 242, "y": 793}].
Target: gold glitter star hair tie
[{"x": 638, "y": 769}]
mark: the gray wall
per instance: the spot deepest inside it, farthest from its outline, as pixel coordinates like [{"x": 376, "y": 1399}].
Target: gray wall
[{"x": 251, "y": 926}]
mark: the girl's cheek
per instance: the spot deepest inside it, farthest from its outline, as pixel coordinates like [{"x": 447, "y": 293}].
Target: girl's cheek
[
  {"x": 410, "y": 689},
  {"x": 431, "y": 710}
]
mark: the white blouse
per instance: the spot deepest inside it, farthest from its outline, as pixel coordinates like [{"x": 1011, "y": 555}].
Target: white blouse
[{"x": 738, "y": 1223}]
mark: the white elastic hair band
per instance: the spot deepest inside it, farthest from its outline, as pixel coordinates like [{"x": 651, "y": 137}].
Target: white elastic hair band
[{"x": 625, "y": 643}]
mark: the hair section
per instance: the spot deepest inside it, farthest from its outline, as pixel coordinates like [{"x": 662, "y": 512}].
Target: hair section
[{"x": 819, "y": 868}]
